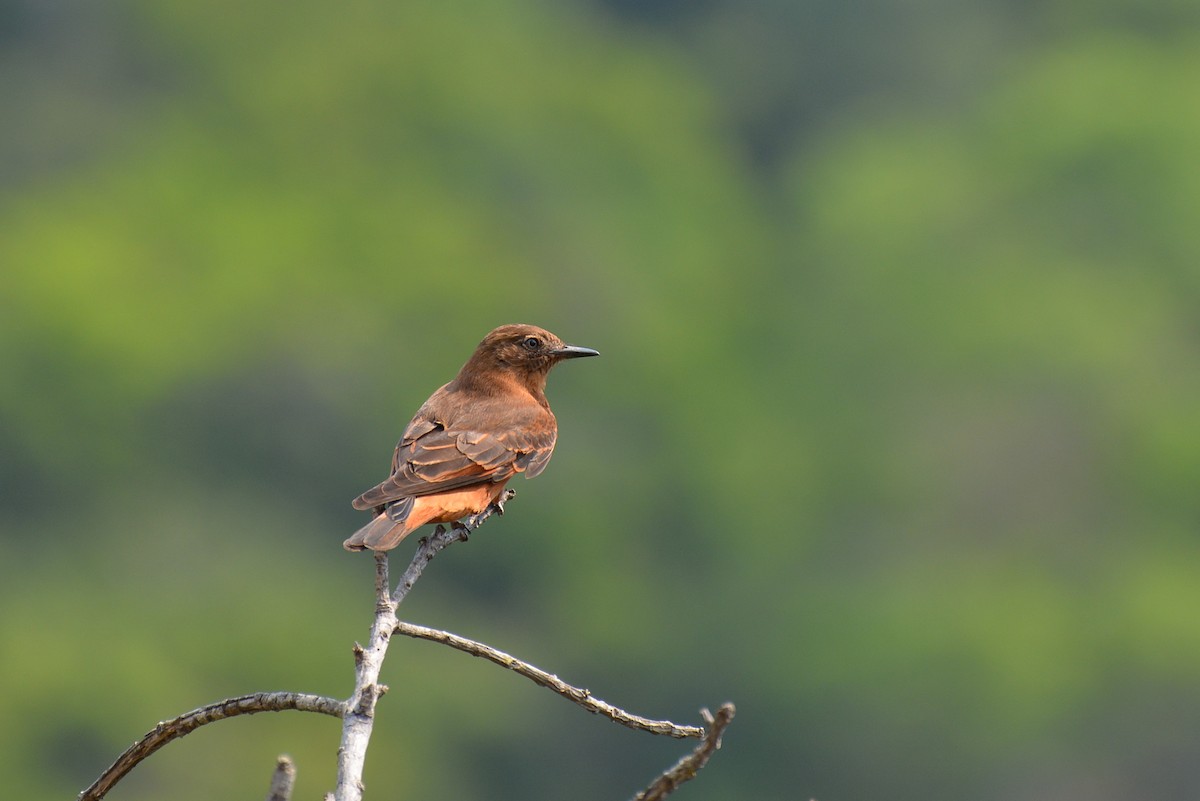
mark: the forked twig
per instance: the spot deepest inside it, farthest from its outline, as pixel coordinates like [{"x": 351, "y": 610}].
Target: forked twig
[
  {"x": 687, "y": 767},
  {"x": 360, "y": 716}
]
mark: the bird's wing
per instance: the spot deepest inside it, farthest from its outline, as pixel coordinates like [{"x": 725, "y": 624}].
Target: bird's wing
[
  {"x": 535, "y": 458},
  {"x": 430, "y": 459}
]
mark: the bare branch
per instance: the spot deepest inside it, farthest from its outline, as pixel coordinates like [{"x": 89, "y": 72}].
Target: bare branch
[
  {"x": 687, "y": 767},
  {"x": 580, "y": 696},
  {"x": 360, "y": 709},
  {"x": 282, "y": 780},
  {"x": 173, "y": 729},
  {"x": 358, "y": 712}
]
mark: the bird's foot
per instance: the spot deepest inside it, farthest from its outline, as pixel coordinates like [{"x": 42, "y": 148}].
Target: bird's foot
[
  {"x": 438, "y": 531},
  {"x": 463, "y": 531},
  {"x": 495, "y": 507},
  {"x": 504, "y": 498}
]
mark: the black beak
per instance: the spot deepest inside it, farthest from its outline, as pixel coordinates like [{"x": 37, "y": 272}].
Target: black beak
[{"x": 574, "y": 352}]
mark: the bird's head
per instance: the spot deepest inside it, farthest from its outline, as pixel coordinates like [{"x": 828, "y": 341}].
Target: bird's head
[{"x": 525, "y": 352}]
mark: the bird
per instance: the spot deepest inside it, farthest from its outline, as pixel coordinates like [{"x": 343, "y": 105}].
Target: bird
[{"x": 470, "y": 438}]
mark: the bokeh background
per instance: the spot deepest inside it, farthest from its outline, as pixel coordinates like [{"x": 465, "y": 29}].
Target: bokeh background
[{"x": 894, "y": 439}]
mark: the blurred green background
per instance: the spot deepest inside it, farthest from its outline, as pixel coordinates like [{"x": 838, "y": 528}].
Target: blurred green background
[{"x": 894, "y": 440}]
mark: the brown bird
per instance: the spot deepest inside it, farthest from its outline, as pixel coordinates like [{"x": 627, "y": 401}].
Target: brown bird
[{"x": 472, "y": 435}]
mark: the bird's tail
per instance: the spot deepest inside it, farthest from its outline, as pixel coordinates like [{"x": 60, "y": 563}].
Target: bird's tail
[{"x": 381, "y": 534}]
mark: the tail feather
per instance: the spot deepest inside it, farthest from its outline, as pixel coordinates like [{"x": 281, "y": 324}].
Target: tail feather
[{"x": 381, "y": 534}]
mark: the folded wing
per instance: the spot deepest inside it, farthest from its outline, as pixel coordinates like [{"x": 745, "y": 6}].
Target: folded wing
[{"x": 431, "y": 459}]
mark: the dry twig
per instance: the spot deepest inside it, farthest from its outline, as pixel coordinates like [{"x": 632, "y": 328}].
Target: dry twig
[
  {"x": 175, "y": 728},
  {"x": 538, "y": 676}
]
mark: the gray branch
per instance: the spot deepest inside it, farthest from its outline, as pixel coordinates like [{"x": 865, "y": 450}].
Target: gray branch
[
  {"x": 360, "y": 709},
  {"x": 580, "y": 696},
  {"x": 185, "y": 724}
]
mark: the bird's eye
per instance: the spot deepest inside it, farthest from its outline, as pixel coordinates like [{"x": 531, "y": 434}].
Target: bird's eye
[{"x": 532, "y": 343}]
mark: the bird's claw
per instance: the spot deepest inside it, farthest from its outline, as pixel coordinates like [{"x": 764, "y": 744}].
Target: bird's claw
[
  {"x": 504, "y": 498},
  {"x": 497, "y": 506}
]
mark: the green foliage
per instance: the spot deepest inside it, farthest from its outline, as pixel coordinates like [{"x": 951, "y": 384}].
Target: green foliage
[{"x": 896, "y": 446}]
